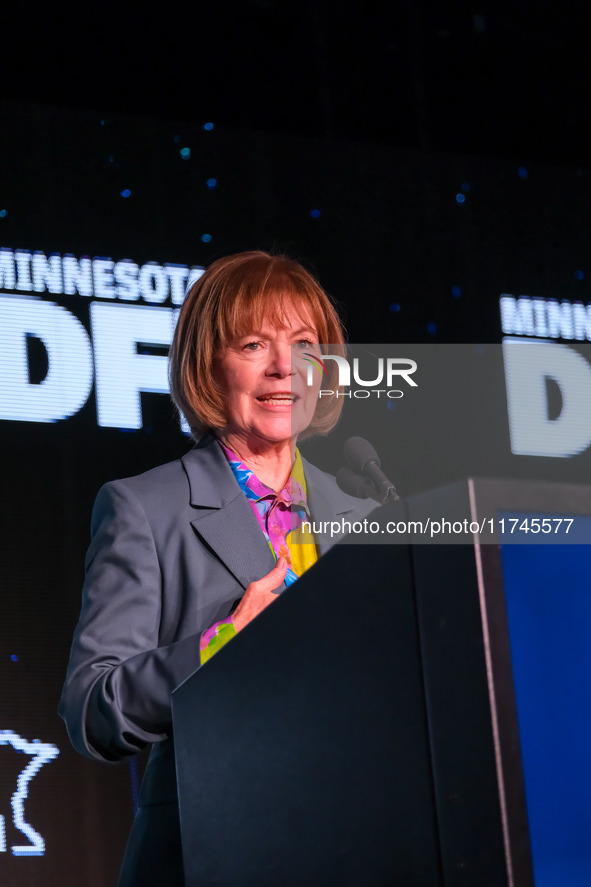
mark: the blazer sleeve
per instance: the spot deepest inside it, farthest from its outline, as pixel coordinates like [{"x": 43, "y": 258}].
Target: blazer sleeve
[{"x": 116, "y": 697}]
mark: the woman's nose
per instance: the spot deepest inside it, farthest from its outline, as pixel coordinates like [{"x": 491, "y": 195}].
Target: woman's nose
[{"x": 280, "y": 363}]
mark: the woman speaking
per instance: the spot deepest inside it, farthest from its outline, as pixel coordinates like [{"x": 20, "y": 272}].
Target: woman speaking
[{"x": 187, "y": 554}]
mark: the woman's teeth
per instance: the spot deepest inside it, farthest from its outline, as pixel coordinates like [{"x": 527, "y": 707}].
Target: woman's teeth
[{"x": 282, "y": 399}]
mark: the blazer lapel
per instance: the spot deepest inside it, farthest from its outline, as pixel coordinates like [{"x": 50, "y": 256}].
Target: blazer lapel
[{"x": 223, "y": 517}]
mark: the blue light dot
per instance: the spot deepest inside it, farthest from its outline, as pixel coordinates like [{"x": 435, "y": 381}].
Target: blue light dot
[
  {"x": 432, "y": 329},
  {"x": 126, "y": 193},
  {"x": 465, "y": 186},
  {"x": 456, "y": 292},
  {"x": 460, "y": 198},
  {"x": 522, "y": 172},
  {"x": 2, "y": 213},
  {"x": 185, "y": 153},
  {"x": 212, "y": 183},
  {"x": 111, "y": 158},
  {"x": 206, "y": 238},
  {"x": 579, "y": 275},
  {"x": 176, "y": 138},
  {"x": 315, "y": 213},
  {"x": 102, "y": 122},
  {"x": 14, "y": 657},
  {"x": 394, "y": 307},
  {"x": 391, "y": 404},
  {"x": 208, "y": 126}
]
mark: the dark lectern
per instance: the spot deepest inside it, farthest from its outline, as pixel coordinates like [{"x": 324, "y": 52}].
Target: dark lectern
[
  {"x": 302, "y": 748},
  {"x": 359, "y": 732}
]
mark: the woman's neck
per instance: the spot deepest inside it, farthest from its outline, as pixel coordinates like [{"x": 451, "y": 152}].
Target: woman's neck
[{"x": 271, "y": 462}]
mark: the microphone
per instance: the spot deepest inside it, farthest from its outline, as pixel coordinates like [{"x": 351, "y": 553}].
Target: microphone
[{"x": 363, "y": 460}]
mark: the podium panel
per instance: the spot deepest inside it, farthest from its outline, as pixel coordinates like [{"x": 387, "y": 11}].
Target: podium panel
[{"x": 364, "y": 729}]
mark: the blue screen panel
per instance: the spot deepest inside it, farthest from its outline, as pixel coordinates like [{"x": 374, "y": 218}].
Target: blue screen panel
[{"x": 548, "y": 595}]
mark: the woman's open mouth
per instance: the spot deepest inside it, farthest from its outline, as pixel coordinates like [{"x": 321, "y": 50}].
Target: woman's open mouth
[{"x": 280, "y": 399}]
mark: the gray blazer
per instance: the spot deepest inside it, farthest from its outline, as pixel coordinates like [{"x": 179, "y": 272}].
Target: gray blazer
[{"x": 172, "y": 551}]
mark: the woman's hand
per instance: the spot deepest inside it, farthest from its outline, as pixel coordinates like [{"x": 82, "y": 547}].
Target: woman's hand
[{"x": 259, "y": 595}]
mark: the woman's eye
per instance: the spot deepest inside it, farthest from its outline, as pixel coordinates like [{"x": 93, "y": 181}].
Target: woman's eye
[{"x": 251, "y": 346}]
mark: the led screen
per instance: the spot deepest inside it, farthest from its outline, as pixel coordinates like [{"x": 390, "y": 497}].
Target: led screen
[{"x": 104, "y": 221}]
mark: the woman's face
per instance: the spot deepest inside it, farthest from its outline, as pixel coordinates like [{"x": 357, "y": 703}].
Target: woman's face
[{"x": 267, "y": 398}]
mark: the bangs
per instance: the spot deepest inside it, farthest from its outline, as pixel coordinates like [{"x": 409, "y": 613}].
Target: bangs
[{"x": 266, "y": 298}]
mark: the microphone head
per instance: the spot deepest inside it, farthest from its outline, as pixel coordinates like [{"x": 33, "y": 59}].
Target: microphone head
[{"x": 358, "y": 453}]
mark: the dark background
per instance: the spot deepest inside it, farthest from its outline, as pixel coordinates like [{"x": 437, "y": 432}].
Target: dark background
[
  {"x": 504, "y": 78},
  {"x": 378, "y": 118}
]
